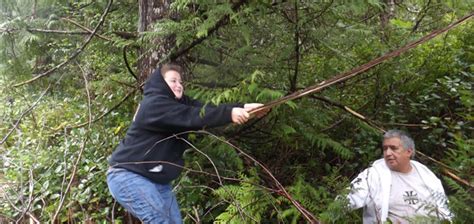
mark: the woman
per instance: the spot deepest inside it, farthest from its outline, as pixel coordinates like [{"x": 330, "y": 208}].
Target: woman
[{"x": 150, "y": 155}]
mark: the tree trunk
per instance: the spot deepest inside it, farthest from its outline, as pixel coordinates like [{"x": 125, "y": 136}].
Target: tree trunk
[
  {"x": 151, "y": 12},
  {"x": 385, "y": 16}
]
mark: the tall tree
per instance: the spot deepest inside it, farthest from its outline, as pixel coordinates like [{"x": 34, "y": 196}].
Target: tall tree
[{"x": 157, "y": 49}]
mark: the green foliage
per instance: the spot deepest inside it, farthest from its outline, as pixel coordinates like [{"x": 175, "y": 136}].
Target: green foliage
[
  {"x": 247, "y": 204},
  {"x": 266, "y": 50}
]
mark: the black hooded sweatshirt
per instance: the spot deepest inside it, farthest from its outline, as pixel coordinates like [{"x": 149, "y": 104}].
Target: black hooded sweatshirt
[{"x": 150, "y": 147}]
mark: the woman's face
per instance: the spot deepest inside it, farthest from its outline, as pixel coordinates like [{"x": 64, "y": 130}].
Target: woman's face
[{"x": 173, "y": 79}]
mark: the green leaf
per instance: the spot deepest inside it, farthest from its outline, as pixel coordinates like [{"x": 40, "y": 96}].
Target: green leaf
[
  {"x": 288, "y": 129},
  {"x": 401, "y": 23}
]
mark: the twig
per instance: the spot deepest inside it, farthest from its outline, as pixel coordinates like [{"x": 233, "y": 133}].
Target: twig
[
  {"x": 204, "y": 154},
  {"x": 124, "y": 52},
  {"x": 86, "y": 29},
  {"x": 18, "y": 209},
  {"x": 30, "y": 195},
  {"x": 113, "y": 208}
]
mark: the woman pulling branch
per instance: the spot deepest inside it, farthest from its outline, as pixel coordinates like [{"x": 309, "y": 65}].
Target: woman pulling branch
[{"x": 150, "y": 155}]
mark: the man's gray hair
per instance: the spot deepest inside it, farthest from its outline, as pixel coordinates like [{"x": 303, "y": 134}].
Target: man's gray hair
[{"x": 407, "y": 141}]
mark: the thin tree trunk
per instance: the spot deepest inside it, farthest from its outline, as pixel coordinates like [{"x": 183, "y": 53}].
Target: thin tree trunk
[{"x": 385, "y": 16}]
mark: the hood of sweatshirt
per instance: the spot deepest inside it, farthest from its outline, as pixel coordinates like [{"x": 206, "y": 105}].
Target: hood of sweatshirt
[{"x": 156, "y": 85}]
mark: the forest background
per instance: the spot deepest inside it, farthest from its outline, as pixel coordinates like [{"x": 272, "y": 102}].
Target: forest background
[{"x": 71, "y": 75}]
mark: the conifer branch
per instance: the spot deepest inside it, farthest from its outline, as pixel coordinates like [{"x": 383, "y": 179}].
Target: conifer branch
[
  {"x": 74, "y": 55},
  {"x": 222, "y": 22},
  {"x": 358, "y": 70}
]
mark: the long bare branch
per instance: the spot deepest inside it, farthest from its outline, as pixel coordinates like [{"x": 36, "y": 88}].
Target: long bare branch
[{"x": 26, "y": 112}]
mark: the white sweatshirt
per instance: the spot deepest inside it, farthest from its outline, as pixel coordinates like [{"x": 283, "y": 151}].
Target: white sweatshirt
[{"x": 371, "y": 190}]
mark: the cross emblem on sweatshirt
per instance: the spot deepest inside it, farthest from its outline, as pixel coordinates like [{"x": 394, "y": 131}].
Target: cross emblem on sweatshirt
[{"x": 411, "y": 197}]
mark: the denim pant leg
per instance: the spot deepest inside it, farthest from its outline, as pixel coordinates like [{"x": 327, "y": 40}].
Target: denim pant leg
[{"x": 148, "y": 201}]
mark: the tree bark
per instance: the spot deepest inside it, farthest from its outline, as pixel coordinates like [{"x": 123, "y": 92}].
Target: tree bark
[
  {"x": 151, "y": 12},
  {"x": 385, "y": 16}
]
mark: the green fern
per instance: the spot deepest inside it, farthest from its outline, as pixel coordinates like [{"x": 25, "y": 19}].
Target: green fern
[
  {"x": 324, "y": 142},
  {"x": 247, "y": 203}
]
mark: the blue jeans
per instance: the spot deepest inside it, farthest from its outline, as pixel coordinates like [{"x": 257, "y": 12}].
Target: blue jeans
[{"x": 148, "y": 201}]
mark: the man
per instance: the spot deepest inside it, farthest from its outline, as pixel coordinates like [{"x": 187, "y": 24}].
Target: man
[{"x": 397, "y": 188}]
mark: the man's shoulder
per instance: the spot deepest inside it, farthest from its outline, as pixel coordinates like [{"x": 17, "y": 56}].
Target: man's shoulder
[
  {"x": 377, "y": 167},
  {"x": 418, "y": 164},
  {"x": 379, "y": 164},
  {"x": 421, "y": 167}
]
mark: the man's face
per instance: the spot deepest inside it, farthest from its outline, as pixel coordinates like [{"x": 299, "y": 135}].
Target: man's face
[
  {"x": 396, "y": 157},
  {"x": 173, "y": 79}
]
